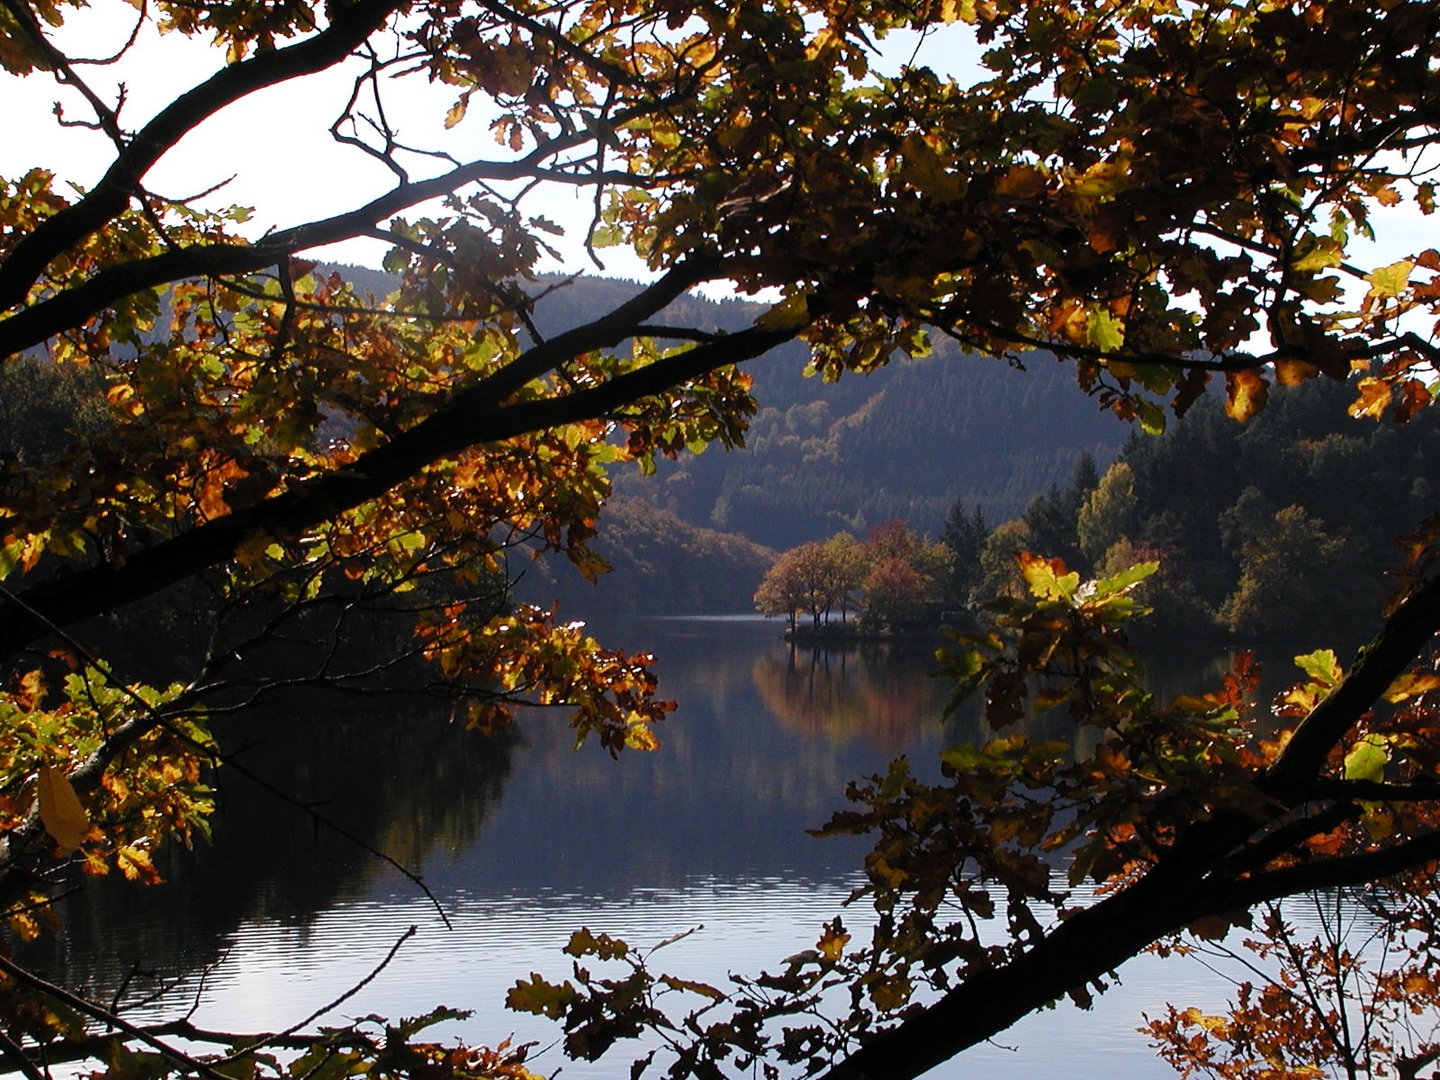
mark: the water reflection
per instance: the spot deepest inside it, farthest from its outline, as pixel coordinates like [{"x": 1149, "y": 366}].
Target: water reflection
[
  {"x": 399, "y": 780},
  {"x": 523, "y": 842},
  {"x": 875, "y": 692}
]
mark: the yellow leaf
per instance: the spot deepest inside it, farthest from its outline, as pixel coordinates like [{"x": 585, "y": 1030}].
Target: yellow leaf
[
  {"x": 1046, "y": 578},
  {"x": 831, "y": 945},
  {"x": 1411, "y": 684},
  {"x": 1104, "y": 179},
  {"x": 457, "y": 111},
  {"x": 1372, "y": 398},
  {"x": 790, "y": 314},
  {"x": 703, "y": 989},
  {"x": 136, "y": 865},
  {"x": 957, "y": 11},
  {"x": 1295, "y": 372},
  {"x": 60, "y": 810},
  {"x": 1245, "y": 394},
  {"x": 1390, "y": 280}
]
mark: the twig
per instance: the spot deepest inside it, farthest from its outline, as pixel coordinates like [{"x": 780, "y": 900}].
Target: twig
[
  {"x": 216, "y": 754},
  {"x": 15, "y": 1054},
  {"x": 331, "y": 1007},
  {"x": 105, "y": 1016}
]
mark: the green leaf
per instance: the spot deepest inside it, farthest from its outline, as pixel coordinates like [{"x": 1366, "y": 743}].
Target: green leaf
[
  {"x": 1152, "y": 417},
  {"x": 10, "y": 557},
  {"x": 790, "y": 314},
  {"x": 895, "y": 779},
  {"x": 1390, "y": 280},
  {"x": 607, "y": 236},
  {"x": 1321, "y": 666},
  {"x": 1366, "y": 759},
  {"x": 1317, "y": 253},
  {"x": 1125, "y": 580},
  {"x": 964, "y": 758},
  {"x": 1104, "y": 331}
]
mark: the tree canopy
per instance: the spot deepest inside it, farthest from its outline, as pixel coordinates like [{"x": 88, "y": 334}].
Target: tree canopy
[{"x": 1160, "y": 193}]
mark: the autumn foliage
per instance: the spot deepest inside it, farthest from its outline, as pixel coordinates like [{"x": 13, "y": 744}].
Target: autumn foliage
[
  {"x": 1165, "y": 195},
  {"x": 892, "y": 576}
]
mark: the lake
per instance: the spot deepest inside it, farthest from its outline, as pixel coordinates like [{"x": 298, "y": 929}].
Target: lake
[{"x": 524, "y": 840}]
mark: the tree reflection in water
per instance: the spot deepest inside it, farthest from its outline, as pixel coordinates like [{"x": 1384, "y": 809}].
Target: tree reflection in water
[{"x": 401, "y": 778}]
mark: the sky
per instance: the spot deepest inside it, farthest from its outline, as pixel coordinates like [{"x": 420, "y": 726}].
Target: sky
[{"x": 273, "y": 151}]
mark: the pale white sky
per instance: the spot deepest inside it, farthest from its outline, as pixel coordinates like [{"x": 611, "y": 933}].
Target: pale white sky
[
  {"x": 276, "y": 144},
  {"x": 284, "y": 163}
]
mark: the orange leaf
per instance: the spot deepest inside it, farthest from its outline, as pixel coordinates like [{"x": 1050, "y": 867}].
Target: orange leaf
[
  {"x": 1295, "y": 372},
  {"x": 1245, "y": 394},
  {"x": 1372, "y": 398}
]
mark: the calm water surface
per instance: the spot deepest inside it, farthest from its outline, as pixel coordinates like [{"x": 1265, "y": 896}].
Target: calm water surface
[{"x": 523, "y": 842}]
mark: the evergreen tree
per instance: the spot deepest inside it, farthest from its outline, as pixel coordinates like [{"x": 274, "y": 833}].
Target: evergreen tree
[{"x": 965, "y": 535}]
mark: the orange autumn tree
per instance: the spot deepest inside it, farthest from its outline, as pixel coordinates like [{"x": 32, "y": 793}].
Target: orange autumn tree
[{"x": 1164, "y": 194}]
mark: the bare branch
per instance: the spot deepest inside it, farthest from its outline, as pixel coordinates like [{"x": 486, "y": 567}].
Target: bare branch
[
  {"x": 98, "y": 1012},
  {"x": 294, "y": 1029},
  {"x": 352, "y": 24}
]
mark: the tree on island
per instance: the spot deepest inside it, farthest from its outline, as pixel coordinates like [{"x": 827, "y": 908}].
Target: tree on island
[
  {"x": 1162, "y": 195},
  {"x": 889, "y": 578},
  {"x": 801, "y": 579}
]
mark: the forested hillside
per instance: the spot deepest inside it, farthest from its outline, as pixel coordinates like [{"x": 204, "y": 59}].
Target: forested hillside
[
  {"x": 1288, "y": 528},
  {"x": 659, "y": 564},
  {"x": 905, "y": 442}
]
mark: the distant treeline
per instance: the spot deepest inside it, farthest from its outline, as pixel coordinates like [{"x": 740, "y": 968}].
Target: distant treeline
[{"x": 1281, "y": 529}]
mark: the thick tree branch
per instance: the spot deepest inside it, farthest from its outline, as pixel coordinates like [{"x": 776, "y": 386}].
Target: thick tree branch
[
  {"x": 1405, "y": 633},
  {"x": 72, "y": 307},
  {"x": 69, "y": 309},
  {"x": 1191, "y": 880},
  {"x": 1422, "y": 790},
  {"x": 473, "y": 417},
  {"x": 1090, "y": 944},
  {"x": 623, "y": 322},
  {"x": 1085, "y": 947},
  {"x": 1367, "y": 867}
]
